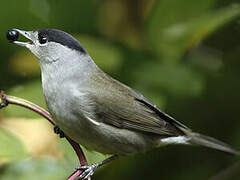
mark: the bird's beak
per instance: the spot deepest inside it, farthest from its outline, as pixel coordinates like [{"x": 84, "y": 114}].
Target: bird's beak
[{"x": 28, "y": 34}]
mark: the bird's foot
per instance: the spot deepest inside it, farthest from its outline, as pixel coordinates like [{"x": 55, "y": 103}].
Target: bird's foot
[
  {"x": 58, "y": 131},
  {"x": 88, "y": 171}
]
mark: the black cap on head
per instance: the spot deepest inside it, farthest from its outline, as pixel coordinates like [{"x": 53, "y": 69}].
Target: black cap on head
[{"x": 61, "y": 37}]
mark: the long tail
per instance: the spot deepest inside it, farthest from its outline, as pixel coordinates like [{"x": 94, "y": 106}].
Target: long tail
[{"x": 199, "y": 139}]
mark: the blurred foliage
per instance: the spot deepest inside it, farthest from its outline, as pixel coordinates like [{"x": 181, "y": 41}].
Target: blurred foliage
[
  {"x": 183, "y": 55},
  {"x": 13, "y": 149}
]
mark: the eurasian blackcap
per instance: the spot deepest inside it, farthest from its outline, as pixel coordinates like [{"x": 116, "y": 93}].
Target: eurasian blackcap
[{"x": 96, "y": 110}]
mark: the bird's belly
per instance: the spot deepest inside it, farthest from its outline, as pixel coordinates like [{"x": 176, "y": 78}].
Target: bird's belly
[{"x": 104, "y": 138}]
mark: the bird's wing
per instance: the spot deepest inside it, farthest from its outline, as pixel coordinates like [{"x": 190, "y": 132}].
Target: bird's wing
[{"x": 131, "y": 110}]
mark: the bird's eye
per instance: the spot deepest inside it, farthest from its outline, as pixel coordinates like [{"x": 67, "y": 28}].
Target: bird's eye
[{"x": 42, "y": 39}]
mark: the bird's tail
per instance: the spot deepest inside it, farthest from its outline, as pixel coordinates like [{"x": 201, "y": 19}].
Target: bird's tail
[{"x": 199, "y": 139}]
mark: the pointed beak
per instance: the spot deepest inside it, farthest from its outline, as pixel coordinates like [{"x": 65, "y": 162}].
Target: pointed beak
[{"x": 28, "y": 34}]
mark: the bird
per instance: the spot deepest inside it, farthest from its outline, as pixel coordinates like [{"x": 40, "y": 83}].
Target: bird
[{"x": 96, "y": 110}]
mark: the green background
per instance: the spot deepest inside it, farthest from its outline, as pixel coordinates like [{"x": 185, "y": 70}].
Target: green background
[{"x": 184, "y": 55}]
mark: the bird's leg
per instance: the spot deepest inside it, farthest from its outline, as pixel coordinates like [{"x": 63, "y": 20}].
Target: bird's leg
[
  {"x": 89, "y": 170},
  {"x": 57, "y": 130}
]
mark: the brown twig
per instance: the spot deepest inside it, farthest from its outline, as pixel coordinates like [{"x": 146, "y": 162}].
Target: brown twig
[{"x": 5, "y": 100}]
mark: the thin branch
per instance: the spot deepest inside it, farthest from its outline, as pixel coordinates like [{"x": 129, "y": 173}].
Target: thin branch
[{"x": 6, "y": 100}]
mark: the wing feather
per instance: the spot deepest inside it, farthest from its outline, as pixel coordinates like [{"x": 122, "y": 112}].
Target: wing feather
[{"x": 118, "y": 105}]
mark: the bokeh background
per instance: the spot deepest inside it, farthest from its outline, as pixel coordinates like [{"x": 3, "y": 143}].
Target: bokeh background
[{"x": 184, "y": 55}]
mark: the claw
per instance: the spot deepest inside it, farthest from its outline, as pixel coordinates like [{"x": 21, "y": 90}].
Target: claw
[
  {"x": 88, "y": 171},
  {"x": 57, "y": 130}
]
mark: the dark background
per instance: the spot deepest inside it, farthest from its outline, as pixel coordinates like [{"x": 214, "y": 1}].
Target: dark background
[{"x": 183, "y": 55}]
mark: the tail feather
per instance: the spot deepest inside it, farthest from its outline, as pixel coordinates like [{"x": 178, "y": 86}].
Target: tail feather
[{"x": 210, "y": 142}]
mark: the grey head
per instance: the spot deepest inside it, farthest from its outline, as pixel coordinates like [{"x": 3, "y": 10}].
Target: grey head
[{"x": 50, "y": 45}]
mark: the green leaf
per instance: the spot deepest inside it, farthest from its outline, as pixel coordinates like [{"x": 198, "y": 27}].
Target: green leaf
[
  {"x": 166, "y": 13},
  {"x": 178, "y": 80},
  {"x": 11, "y": 147},
  {"x": 35, "y": 169},
  {"x": 40, "y": 10},
  {"x": 174, "y": 29}
]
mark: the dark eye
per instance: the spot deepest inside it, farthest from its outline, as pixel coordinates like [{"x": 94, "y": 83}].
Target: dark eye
[{"x": 42, "y": 39}]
